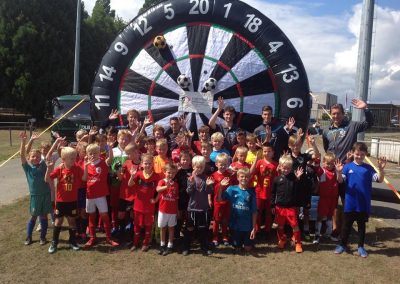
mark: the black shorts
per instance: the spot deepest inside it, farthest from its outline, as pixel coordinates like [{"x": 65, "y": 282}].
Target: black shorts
[
  {"x": 198, "y": 219},
  {"x": 67, "y": 209},
  {"x": 125, "y": 205}
]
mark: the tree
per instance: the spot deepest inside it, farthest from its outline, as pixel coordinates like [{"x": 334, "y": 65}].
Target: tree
[{"x": 148, "y": 3}]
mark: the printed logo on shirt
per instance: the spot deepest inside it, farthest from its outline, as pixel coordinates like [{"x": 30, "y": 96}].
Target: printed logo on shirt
[
  {"x": 351, "y": 171},
  {"x": 98, "y": 170}
]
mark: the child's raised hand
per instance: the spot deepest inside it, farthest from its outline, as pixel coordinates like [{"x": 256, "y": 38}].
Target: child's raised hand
[
  {"x": 35, "y": 136},
  {"x": 93, "y": 131},
  {"x": 299, "y": 172},
  {"x": 311, "y": 140},
  {"x": 349, "y": 155},
  {"x": 225, "y": 181},
  {"x": 209, "y": 181},
  {"x": 113, "y": 115},
  {"x": 338, "y": 166},
  {"x": 147, "y": 121},
  {"x": 22, "y": 135},
  {"x": 221, "y": 103},
  {"x": 49, "y": 162},
  {"x": 299, "y": 134},
  {"x": 133, "y": 171},
  {"x": 290, "y": 123},
  {"x": 381, "y": 163}
]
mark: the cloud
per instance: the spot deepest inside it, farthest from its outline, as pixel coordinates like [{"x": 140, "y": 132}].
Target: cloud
[{"x": 327, "y": 44}]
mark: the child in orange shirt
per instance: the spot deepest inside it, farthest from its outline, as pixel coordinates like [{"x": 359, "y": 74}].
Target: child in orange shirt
[{"x": 161, "y": 159}]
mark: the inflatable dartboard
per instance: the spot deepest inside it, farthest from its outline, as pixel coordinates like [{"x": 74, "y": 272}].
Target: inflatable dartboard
[{"x": 181, "y": 55}]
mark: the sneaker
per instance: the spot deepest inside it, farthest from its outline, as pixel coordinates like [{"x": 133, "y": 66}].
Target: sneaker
[
  {"x": 42, "y": 242},
  {"x": 316, "y": 239},
  {"x": 161, "y": 250},
  {"x": 74, "y": 246},
  {"x": 28, "y": 241},
  {"x": 53, "y": 247},
  {"x": 185, "y": 253},
  {"x": 299, "y": 248},
  {"x": 38, "y": 228},
  {"x": 90, "y": 243},
  {"x": 145, "y": 248},
  {"x": 281, "y": 244},
  {"x": 274, "y": 226},
  {"x": 167, "y": 251},
  {"x": 134, "y": 248},
  {"x": 226, "y": 243},
  {"x": 362, "y": 252},
  {"x": 112, "y": 242},
  {"x": 339, "y": 249},
  {"x": 114, "y": 232},
  {"x": 215, "y": 243}
]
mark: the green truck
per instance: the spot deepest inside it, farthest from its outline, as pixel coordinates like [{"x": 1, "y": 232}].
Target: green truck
[{"x": 79, "y": 118}]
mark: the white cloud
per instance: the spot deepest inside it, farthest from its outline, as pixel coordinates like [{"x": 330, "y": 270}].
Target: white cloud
[{"x": 328, "y": 45}]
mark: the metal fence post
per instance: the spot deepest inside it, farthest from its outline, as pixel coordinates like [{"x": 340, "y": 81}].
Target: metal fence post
[{"x": 9, "y": 129}]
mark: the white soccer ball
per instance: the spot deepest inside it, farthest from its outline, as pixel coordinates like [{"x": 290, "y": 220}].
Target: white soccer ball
[
  {"x": 210, "y": 84},
  {"x": 183, "y": 81}
]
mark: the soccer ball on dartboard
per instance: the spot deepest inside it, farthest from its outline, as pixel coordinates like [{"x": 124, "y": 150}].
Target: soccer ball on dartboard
[
  {"x": 160, "y": 42},
  {"x": 183, "y": 81},
  {"x": 210, "y": 84}
]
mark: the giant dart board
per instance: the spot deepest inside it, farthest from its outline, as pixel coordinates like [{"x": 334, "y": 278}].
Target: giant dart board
[{"x": 248, "y": 58}]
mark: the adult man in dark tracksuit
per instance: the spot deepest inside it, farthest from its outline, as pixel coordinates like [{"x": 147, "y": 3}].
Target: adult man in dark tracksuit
[{"x": 342, "y": 134}]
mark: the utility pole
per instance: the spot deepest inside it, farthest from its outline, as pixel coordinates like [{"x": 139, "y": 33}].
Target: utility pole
[
  {"x": 75, "y": 89},
  {"x": 364, "y": 59}
]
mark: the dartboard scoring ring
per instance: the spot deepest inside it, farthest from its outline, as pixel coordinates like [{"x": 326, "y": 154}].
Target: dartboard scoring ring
[{"x": 251, "y": 59}]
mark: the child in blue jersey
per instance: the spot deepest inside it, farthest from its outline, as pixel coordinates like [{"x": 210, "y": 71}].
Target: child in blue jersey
[
  {"x": 40, "y": 194},
  {"x": 217, "y": 141},
  {"x": 243, "y": 210},
  {"x": 358, "y": 177}
]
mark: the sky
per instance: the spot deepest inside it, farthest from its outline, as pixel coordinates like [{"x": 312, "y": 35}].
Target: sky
[{"x": 325, "y": 34}]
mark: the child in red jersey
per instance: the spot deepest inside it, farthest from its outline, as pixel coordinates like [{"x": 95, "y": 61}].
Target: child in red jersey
[
  {"x": 221, "y": 207},
  {"x": 204, "y": 137},
  {"x": 82, "y": 219},
  {"x": 145, "y": 182},
  {"x": 240, "y": 157},
  {"x": 68, "y": 175},
  {"x": 328, "y": 194},
  {"x": 168, "y": 195},
  {"x": 96, "y": 176},
  {"x": 126, "y": 194},
  {"x": 265, "y": 172},
  {"x": 284, "y": 201}
]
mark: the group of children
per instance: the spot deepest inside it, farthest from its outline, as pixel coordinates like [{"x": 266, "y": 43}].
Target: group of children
[{"x": 124, "y": 179}]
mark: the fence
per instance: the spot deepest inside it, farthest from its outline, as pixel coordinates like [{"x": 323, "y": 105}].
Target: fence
[
  {"x": 11, "y": 125},
  {"x": 390, "y": 148}
]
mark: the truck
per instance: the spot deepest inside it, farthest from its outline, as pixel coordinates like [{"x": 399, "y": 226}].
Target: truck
[{"x": 79, "y": 118}]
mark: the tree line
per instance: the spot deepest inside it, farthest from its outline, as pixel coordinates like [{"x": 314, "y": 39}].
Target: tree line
[{"x": 37, "y": 43}]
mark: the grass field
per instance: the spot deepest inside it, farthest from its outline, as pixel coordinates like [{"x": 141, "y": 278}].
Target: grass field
[
  {"x": 33, "y": 264},
  {"x": 6, "y": 150}
]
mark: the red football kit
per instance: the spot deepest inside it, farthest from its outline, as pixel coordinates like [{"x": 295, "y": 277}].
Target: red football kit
[
  {"x": 97, "y": 180},
  {"x": 238, "y": 165},
  {"x": 328, "y": 193},
  {"x": 69, "y": 180},
  {"x": 126, "y": 192},
  {"x": 168, "y": 198}
]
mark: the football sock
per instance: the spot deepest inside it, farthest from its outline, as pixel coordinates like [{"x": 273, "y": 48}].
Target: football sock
[
  {"x": 30, "y": 226},
  {"x": 72, "y": 233},
  {"x": 56, "y": 234},
  {"x": 318, "y": 228},
  {"x": 44, "y": 223},
  {"x": 170, "y": 244},
  {"x": 329, "y": 226}
]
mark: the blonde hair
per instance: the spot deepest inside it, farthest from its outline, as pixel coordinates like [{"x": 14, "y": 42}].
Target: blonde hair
[
  {"x": 243, "y": 171},
  {"x": 93, "y": 148},
  {"x": 241, "y": 150},
  {"x": 251, "y": 137},
  {"x": 292, "y": 140},
  {"x": 147, "y": 156},
  {"x": 34, "y": 152},
  {"x": 222, "y": 158},
  {"x": 134, "y": 113},
  {"x": 161, "y": 142},
  {"x": 45, "y": 144},
  {"x": 217, "y": 136},
  {"x": 123, "y": 132},
  {"x": 80, "y": 133},
  {"x": 68, "y": 152},
  {"x": 286, "y": 160},
  {"x": 81, "y": 146},
  {"x": 329, "y": 157},
  {"x": 206, "y": 145},
  {"x": 131, "y": 147},
  {"x": 199, "y": 161}
]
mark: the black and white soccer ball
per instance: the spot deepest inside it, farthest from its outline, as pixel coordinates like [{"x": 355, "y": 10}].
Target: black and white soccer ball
[
  {"x": 183, "y": 81},
  {"x": 210, "y": 84},
  {"x": 160, "y": 42}
]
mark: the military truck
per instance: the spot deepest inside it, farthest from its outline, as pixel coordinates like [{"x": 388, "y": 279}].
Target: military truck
[{"x": 79, "y": 118}]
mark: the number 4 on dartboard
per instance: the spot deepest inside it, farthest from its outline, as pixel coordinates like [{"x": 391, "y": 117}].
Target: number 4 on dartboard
[{"x": 109, "y": 71}]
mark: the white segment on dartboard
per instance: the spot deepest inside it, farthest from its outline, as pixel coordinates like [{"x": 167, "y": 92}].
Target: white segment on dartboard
[
  {"x": 177, "y": 42},
  {"x": 217, "y": 41},
  {"x": 131, "y": 100},
  {"x": 248, "y": 66}
]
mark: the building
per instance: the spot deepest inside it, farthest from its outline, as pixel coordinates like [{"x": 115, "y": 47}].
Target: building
[{"x": 321, "y": 100}]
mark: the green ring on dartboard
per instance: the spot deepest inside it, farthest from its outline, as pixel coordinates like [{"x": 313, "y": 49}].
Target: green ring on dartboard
[{"x": 252, "y": 60}]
